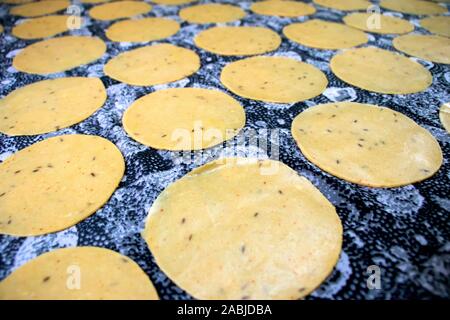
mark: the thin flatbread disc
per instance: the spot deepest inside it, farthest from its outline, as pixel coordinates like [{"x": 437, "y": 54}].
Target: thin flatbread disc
[
  {"x": 81, "y": 273},
  {"x": 172, "y": 2},
  {"x": 16, "y": 1},
  {"x": 366, "y": 144},
  {"x": 119, "y": 9},
  {"x": 59, "y": 54},
  {"x": 378, "y": 23},
  {"x": 55, "y": 183},
  {"x": 240, "y": 232},
  {"x": 380, "y": 71},
  {"x": 142, "y": 30},
  {"x": 344, "y": 5},
  {"x": 151, "y": 65},
  {"x": 427, "y": 47},
  {"x": 439, "y": 25},
  {"x": 322, "y": 34},
  {"x": 283, "y": 8},
  {"x": 413, "y": 6},
  {"x": 273, "y": 79},
  {"x": 95, "y": 1},
  {"x": 50, "y": 105},
  {"x": 42, "y": 27},
  {"x": 184, "y": 119},
  {"x": 444, "y": 116},
  {"x": 39, "y": 8},
  {"x": 238, "y": 41},
  {"x": 211, "y": 13}
]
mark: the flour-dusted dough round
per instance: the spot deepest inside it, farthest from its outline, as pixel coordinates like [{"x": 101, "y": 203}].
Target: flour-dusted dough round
[
  {"x": 55, "y": 183},
  {"x": 366, "y": 144},
  {"x": 283, "y": 8},
  {"x": 142, "y": 30},
  {"x": 40, "y": 8},
  {"x": 427, "y": 47},
  {"x": 344, "y": 5},
  {"x": 50, "y": 105},
  {"x": 119, "y": 9},
  {"x": 59, "y": 54},
  {"x": 378, "y": 23},
  {"x": 42, "y": 27},
  {"x": 184, "y": 119},
  {"x": 273, "y": 79},
  {"x": 102, "y": 273},
  {"x": 444, "y": 116},
  {"x": 230, "y": 230},
  {"x": 211, "y": 13},
  {"x": 172, "y": 2},
  {"x": 151, "y": 65},
  {"x": 322, "y": 34},
  {"x": 439, "y": 25},
  {"x": 16, "y": 1},
  {"x": 380, "y": 71},
  {"x": 95, "y": 1},
  {"x": 238, "y": 41},
  {"x": 413, "y": 6}
]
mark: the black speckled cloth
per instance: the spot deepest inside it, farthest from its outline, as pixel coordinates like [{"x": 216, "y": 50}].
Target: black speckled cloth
[{"x": 405, "y": 231}]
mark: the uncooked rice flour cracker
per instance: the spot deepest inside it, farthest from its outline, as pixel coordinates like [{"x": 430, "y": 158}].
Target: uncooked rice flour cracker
[
  {"x": 380, "y": 71},
  {"x": 151, "y": 65},
  {"x": 50, "y": 105},
  {"x": 184, "y": 118},
  {"x": 273, "y": 79},
  {"x": 366, "y": 144},
  {"x": 55, "y": 183},
  {"x": 238, "y": 41},
  {"x": 231, "y": 230},
  {"x": 81, "y": 273},
  {"x": 59, "y": 54}
]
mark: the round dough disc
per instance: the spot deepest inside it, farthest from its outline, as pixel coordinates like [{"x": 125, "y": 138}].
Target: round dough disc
[
  {"x": 273, "y": 79},
  {"x": 324, "y": 34},
  {"x": 42, "y": 27},
  {"x": 412, "y": 6},
  {"x": 103, "y": 275},
  {"x": 438, "y": 25},
  {"x": 95, "y": 1},
  {"x": 212, "y": 13},
  {"x": 50, "y": 105},
  {"x": 380, "y": 71},
  {"x": 119, "y": 9},
  {"x": 378, "y": 23},
  {"x": 366, "y": 144},
  {"x": 427, "y": 47},
  {"x": 16, "y": 1},
  {"x": 59, "y": 54},
  {"x": 172, "y": 2},
  {"x": 242, "y": 234},
  {"x": 55, "y": 183},
  {"x": 151, "y": 65},
  {"x": 283, "y": 8},
  {"x": 238, "y": 41},
  {"x": 444, "y": 115},
  {"x": 184, "y": 119},
  {"x": 142, "y": 30},
  {"x": 40, "y": 8},
  {"x": 344, "y": 5}
]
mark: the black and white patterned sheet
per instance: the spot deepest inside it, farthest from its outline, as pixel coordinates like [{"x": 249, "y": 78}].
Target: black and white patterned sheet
[{"x": 405, "y": 231}]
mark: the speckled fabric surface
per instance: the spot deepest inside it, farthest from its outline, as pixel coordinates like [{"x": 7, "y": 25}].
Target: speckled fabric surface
[{"x": 405, "y": 231}]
